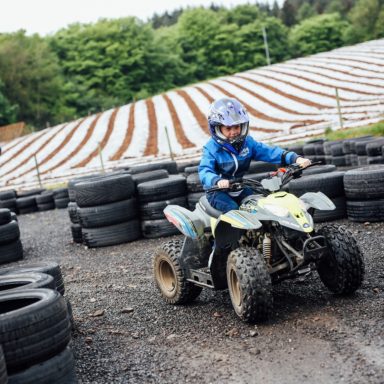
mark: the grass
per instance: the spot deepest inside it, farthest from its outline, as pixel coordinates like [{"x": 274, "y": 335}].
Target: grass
[{"x": 376, "y": 129}]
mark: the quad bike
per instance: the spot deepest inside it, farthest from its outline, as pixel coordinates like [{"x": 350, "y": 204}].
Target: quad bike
[{"x": 269, "y": 239}]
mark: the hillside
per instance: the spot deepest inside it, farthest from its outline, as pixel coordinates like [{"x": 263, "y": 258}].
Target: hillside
[{"x": 287, "y": 101}]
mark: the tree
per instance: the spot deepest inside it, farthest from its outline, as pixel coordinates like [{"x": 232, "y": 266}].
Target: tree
[
  {"x": 8, "y": 112},
  {"x": 317, "y": 34},
  {"x": 363, "y": 18},
  {"x": 250, "y": 49},
  {"x": 32, "y": 77},
  {"x": 243, "y": 14},
  {"x": 288, "y": 13},
  {"x": 305, "y": 12},
  {"x": 113, "y": 62}
]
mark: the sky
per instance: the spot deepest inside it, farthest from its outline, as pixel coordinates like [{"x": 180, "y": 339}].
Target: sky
[{"x": 48, "y": 16}]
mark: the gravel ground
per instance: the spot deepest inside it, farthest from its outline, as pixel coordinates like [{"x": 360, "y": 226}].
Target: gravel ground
[{"x": 126, "y": 334}]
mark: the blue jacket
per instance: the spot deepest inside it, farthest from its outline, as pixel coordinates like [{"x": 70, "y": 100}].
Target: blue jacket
[{"x": 218, "y": 163}]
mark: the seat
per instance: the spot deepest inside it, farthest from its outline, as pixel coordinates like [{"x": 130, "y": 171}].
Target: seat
[{"x": 208, "y": 209}]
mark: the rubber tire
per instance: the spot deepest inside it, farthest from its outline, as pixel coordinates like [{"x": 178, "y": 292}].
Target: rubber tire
[
  {"x": 170, "y": 278},
  {"x": 194, "y": 183},
  {"x": 150, "y": 175},
  {"x": 108, "y": 214},
  {"x": 77, "y": 233},
  {"x": 11, "y": 252},
  {"x": 154, "y": 209},
  {"x": 342, "y": 269},
  {"x": 163, "y": 189},
  {"x": 3, "y": 368},
  {"x": 112, "y": 234},
  {"x": 104, "y": 190},
  {"x": 72, "y": 212},
  {"x": 50, "y": 268},
  {"x": 364, "y": 183},
  {"x": 249, "y": 285},
  {"x": 9, "y": 232},
  {"x": 60, "y": 369},
  {"x": 170, "y": 166},
  {"x": 26, "y": 280},
  {"x": 45, "y": 207},
  {"x": 34, "y": 326},
  {"x": 9, "y": 194},
  {"x": 366, "y": 210},
  {"x": 5, "y": 216},
  {"x": 331, "y": 184},
  {"x": 61, "y": 203},
  {"x": 153, "y": 229}
]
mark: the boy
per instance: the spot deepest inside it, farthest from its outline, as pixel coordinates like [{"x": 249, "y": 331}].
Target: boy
[{"x": 229, "y": 152}]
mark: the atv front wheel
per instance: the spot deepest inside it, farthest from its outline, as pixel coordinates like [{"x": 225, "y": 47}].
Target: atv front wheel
[
  {"x": 249, "y": 285},
  {"x": 170, "y": 278},
  {"x": 341, "y": 269}
]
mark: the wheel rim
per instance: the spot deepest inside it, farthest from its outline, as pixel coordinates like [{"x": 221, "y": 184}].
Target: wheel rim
[
  {"x": 235, "y": 288},
  {"x": 167, "y": 278}
]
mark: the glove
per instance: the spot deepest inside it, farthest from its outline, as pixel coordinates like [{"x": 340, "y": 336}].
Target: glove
[{"x": 303, "y": 162}]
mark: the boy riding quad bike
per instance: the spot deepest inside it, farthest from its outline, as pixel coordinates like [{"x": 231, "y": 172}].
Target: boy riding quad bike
[{"x": 270, "y": 238}]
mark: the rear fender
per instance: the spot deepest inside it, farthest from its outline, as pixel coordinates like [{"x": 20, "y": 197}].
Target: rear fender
[
  {"x": 318, "y": 200},
  {"x": 187, "y": 222}
]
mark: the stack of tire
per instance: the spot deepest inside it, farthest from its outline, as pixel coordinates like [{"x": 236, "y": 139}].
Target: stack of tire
[
  {"x": 314, "y": 150},
  {"x": 11, "y": 248},
  {"x": 35, "y": 326},
  {"x": 106, "y": 210},
  {"x": 375, "y": 154},
  {"x": 8, "y": 200},
  {"x": 194, "y": 187},
  {"x": 259, "y": 170},
  {"x": 45, "y": 201},
  {"x": 60, "y": 198},
  {"x": 364, "y": 188},
  {"x": 323, "y": 179},
  {"x": 26, "y": 201},
  {"x": 154, "y": 196}
]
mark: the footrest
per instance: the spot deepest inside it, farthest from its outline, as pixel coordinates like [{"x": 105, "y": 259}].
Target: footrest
[{"x": 201, "y": 277}]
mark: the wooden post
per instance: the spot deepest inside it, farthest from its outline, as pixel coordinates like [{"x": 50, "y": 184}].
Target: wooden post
[
  {"x": 169, "y": 142},
  {"x": 339, "y": 109},
  {"x": 266, "y": 45},
  {"x": 37, "y": 171},
  {"x": 101, "y": 157}
]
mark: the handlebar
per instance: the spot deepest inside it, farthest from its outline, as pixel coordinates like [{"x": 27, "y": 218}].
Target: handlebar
[{"x": 286, "y": 174}]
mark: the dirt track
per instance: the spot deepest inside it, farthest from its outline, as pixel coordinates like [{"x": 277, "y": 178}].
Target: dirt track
[{"x": 313, "y": 337}]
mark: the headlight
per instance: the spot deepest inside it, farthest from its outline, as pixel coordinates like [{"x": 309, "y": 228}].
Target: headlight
[{"x": 276, "y": 210}]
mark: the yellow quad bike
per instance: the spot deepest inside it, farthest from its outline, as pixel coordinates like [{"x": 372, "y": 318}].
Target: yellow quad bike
[{"x": 269, "y": 239}]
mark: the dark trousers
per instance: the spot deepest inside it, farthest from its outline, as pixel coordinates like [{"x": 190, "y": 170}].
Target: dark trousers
[{"x": 224, "y": 202}]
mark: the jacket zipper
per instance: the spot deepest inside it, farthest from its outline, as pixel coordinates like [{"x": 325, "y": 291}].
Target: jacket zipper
[{"x": 236, "y": 164}]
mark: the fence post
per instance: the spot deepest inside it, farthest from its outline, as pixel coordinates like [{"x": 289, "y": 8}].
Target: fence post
[
  {"x": 169, "y": 143},
  {"x": 266, "y": 45},
  {"x": 101, "y": 157},
  {"x": 339, "y": 109},
  {"x": 37, "y": 171}
]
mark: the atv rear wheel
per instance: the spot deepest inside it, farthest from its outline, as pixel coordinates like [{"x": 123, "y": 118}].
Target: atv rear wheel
[
  {"x": 249, "y": 285},
  {"x": 342, "y": 268},
  {"x": 170, "y": 277}
]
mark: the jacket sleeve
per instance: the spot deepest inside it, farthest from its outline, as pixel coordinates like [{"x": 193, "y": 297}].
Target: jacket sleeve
[
  {"x": 207, "y": 173},
  {"x": 271, "y": 154}
]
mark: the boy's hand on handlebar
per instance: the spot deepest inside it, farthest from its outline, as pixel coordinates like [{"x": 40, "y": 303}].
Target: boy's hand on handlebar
[
  {"x": 223, "y": 183},
  {"x": 303, "y": 162}
]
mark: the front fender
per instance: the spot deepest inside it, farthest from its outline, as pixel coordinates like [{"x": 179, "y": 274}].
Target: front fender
[
  {"x": 231, "y": 225},
  {"x": 318, "y": 200},
  {"x": 241, "y": 220}
]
